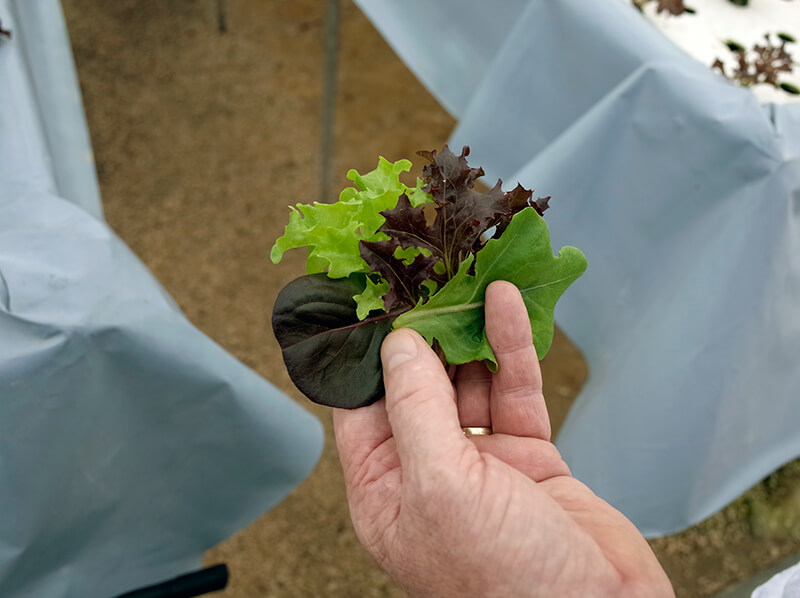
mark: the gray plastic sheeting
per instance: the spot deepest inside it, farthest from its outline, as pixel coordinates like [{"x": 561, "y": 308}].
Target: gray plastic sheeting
[
  {"x": 48, "y": 88},
  {"x": 129, "y": 442},
  {"x": 684, "y": 193}
]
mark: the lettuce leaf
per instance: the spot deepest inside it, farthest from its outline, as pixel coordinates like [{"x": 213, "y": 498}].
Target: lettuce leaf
[
  {"x": 332, "y": 232},
  {"x": 331, "y": 355},
  {"x": 523, "y": 256}
]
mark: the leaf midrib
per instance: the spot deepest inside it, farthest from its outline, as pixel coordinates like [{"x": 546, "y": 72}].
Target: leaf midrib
[{"x": 461, "y": 307}]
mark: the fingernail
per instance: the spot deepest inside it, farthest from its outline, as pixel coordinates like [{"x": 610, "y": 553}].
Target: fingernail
[{"x": 398, "y": 348}]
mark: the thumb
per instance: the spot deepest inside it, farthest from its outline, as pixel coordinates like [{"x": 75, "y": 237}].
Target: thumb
[{"x": 420, "y": 401}]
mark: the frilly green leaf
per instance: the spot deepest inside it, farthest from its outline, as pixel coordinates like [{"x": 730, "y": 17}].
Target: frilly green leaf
[
  {"x": 332, "y": 232},
  {"x": 371, "y": 299}
]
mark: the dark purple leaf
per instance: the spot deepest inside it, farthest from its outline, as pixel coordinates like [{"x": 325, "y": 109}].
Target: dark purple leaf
[
  {"x": 405, "y": 281},
  {"x": 331, "y": 356},
  {"x": 462, "y": 213}
]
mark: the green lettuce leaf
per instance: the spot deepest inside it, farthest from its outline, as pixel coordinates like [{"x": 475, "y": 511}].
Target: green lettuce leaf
[
  {"x": 371, "y": 299},
  {"x": 523, "y": 256},
  {"x": 332, "y": 232}
]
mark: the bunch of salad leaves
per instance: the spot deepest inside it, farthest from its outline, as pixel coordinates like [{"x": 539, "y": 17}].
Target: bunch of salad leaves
[{"x": 387, "y": 256}]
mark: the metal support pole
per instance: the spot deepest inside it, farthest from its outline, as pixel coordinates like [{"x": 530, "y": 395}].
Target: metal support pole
[
  {"x": 329, "y": 97},
  {"x": 222, "y": 15}
]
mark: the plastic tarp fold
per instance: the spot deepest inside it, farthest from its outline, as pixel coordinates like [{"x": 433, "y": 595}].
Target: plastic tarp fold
[
  {"x": 130, "y": 443},
  {"x": 684, "y": 193}
]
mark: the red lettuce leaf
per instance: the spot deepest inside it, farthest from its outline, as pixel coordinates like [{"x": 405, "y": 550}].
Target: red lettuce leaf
[
  {"x": 462, "y": 216},
  {"x": 405, "y": 281}
]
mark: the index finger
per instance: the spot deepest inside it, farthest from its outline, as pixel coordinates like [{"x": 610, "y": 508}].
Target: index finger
[{"x": 517, "y": 403}]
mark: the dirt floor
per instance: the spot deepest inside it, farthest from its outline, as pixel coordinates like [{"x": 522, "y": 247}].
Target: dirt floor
[{"x": 202, "y": 139}]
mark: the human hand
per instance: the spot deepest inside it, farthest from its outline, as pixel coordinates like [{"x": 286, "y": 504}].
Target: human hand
[{"x": 484, "y": 516}]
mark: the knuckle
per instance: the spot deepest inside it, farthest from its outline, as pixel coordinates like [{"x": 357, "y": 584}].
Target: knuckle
[
  {"x": 519, "y": 375},
  {"x": 513, "y": 348},
  {"x": 415, "y": 393}
]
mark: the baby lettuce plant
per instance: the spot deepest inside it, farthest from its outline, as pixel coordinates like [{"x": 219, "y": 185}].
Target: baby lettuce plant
[
  {"x": 388, "y": 256},
  {"x": 672, "y": 7},
  {"x": 763, "y": 64}
]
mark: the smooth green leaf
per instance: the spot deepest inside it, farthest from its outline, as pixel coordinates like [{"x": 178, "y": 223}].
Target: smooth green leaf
[{"x": 523, "y": 256}]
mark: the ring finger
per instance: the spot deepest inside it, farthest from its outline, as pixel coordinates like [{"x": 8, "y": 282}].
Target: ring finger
[{"x": 473, "y": 385}]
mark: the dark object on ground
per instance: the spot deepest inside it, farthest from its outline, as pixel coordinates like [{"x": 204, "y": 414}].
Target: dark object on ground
[{"x": 204, "y": 581}]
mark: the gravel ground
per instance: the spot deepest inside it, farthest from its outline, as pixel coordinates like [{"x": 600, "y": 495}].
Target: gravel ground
[{"x": 202, "y": 139}]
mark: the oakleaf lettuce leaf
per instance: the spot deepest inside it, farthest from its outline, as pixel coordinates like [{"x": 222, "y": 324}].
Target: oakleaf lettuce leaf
[{"x": 523, "y": 256}]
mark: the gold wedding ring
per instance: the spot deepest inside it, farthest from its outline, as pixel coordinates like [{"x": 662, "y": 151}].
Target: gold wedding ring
[{"x": 476, "y": 431}]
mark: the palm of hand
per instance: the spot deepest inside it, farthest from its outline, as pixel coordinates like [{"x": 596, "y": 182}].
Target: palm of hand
[{"x": 495, "y": 515}]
